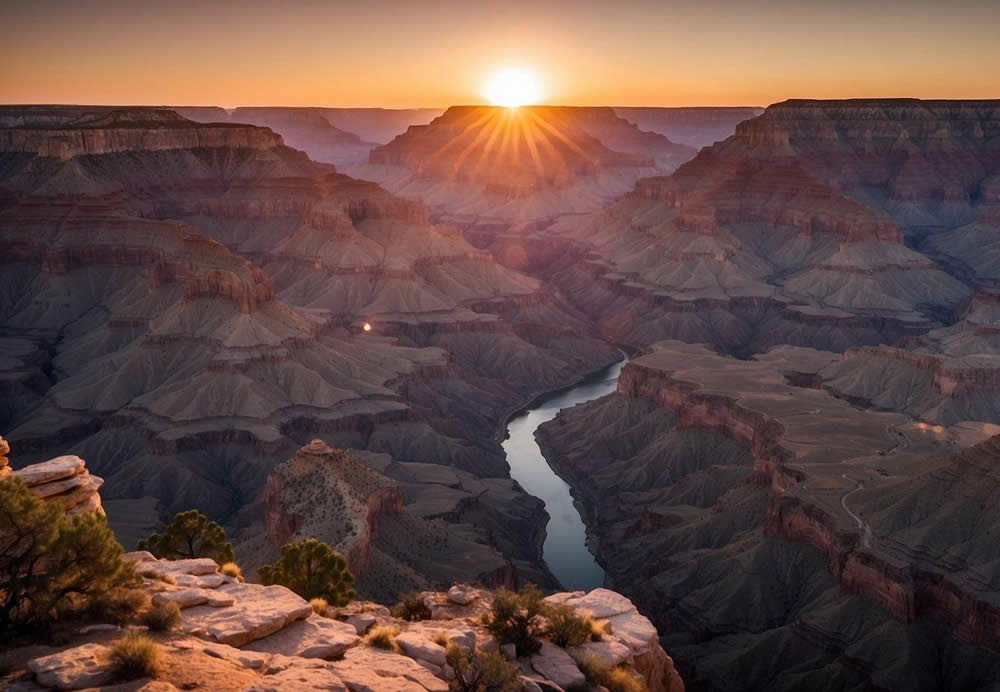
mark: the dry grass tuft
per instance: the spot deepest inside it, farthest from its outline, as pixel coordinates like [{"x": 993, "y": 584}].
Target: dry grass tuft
[
  {"x": 319, "y": 606},
  {"x": 383, "y": 637},
  {"x": 231, "y": 569},
  {"x": 135, "y": 656},
  {"x": 161, "y": 618}
]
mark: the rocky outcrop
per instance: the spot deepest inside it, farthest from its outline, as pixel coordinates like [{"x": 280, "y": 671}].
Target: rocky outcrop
[
  {"x": 269, "y": 638},
  {"x": 64, "y": 481},
  {"x": 325, "y": 493}
]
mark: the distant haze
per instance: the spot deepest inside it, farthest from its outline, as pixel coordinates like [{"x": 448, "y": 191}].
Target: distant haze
[{"x": 399, "y": 53}]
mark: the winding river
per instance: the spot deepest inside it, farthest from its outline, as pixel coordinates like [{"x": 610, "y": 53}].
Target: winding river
[{"x": 565, "y": 550}]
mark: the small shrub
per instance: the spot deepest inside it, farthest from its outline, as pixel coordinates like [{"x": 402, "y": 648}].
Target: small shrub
[
  {"x": 312, "y": 569},
  {"x": 319, "y": 605},
  {"x": 231, "y": 569},
  {"x": 518, "y": 619},
  {"x": 615, "y": 679},
  {"x": 164, "y": 577},
  {"x": 191, "y": 534},
  {"x": 482, "y": 672},
  {"x": 441, "y": 639},
  {"x": 383, "y": 637},
  {"x": 567, "y": 627},
  {"x": 161, "y": 618},
  {"x": 135, "y": 656},
  {"x": 411, "y": 608},
  {"x": 598, "y": 628},
  {"x": 117, "y": 605}
]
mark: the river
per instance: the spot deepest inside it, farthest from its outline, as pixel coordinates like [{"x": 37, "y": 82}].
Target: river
[{"x": 565, "y": 550}]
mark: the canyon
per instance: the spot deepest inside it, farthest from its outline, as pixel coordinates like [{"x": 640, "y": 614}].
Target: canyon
[
  {"x": 185, "y": 307},
  {"x": 794, "y": 478}
]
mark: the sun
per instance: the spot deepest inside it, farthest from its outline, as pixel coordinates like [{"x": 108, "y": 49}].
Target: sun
[{"x": 513, "y": 87}]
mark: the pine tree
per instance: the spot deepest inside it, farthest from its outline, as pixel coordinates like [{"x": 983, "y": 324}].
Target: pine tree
[
  {"x": 50, "y": 562},
  {"x": 311, "y": 569},
  {"x": 191, "y": 534}
]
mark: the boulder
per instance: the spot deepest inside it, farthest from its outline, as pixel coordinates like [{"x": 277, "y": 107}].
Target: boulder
[
  {"x": 73, "y": 669},
  {"x": 601, "y": 603},
  {"x": 258, "y": 612},
  {"x": 361, "y": 622},
  {"x": 416, "y": 645},
  {"x": 557, "y": 665},
  {"x": 314, "y": 637}
]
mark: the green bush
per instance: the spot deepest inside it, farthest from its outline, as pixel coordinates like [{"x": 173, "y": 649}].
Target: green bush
[
  {"x": 412, "y": 608},
  {"x": 518, "y": 619},
  {"x": 482, "y": 672},
  {"x": 567, "y": 627},
  {"x": 135, "y": 656},
  {"x": 311, "y": 569},
  {"x": 191, "y": 534},
  {"x": 50, "y": 563},
  {"x": 161, "y": 618}
]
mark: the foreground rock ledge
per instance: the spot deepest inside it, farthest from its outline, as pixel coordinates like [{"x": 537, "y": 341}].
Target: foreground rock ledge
[{"x": 254, "y": 637}]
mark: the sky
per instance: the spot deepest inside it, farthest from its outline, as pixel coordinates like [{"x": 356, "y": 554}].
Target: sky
[{"x": 408, "y": 53}]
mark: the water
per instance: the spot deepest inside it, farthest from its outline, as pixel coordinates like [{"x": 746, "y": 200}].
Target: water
[{"x": 565, "y": 550}]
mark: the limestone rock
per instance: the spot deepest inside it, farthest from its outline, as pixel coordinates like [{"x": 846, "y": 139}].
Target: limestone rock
[
  {"x": 259, "y": 611},
  {"x": 417, "y": 646},
  {"x": 196, "y": 567},
  {"x": 314, "y": 637},
  {"x": 73, "y": 669},
  {"x": 51, "y": 470},
  {"x": 557, "y": 665},
  {"x": 361, "y": 622}
]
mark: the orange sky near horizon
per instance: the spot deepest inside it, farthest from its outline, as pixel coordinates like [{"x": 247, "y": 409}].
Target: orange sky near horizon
[{"x": 395, "y": 54}]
